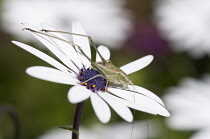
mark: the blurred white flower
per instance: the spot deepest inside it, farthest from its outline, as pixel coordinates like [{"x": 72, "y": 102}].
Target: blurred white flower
[
  {"x": 106, "y": 20},
  {"x": 114, "y": 131},
  {"x": 203, "y": 134},
  {"x": 190, "y": 106},
  {"x": 186, "y": 23}
]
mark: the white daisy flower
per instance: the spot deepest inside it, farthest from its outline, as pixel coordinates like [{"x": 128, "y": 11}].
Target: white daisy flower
[
  {"x": 77, "y": 70},
  {"x": 186, "y": 24},
  {"x": 113, "y": 131},
  {"x": 105, "y": 20},
  {"x": 189, "y": 104}
]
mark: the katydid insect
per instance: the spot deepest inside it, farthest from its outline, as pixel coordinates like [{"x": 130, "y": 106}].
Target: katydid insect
[{"x": 107, "y": 70}]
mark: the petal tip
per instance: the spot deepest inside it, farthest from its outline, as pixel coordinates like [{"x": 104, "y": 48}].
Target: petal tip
[
  {"x": 166, "y": 114},
  {"x": 151, "y": 57},
  {"x": 130, "y": 120},
  {"x": 70, "y": 98},
  {"x": 104, "y": 121},
  {"x": 78, "y": 94}
]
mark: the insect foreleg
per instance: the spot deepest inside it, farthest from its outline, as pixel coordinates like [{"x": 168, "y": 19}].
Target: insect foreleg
[
  {"x": 86, "y": 82},
  {"x": 91, "y": 78},
  {"x": 107, "y": 83}
]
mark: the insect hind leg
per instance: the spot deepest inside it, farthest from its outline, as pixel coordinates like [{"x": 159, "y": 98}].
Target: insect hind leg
[{"x": 90, "y": 39}]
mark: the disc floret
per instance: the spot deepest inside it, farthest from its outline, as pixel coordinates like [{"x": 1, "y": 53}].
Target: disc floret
[{"x": 92, "y": 80}]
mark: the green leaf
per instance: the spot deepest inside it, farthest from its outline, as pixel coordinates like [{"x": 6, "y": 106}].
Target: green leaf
[{"x": 71, "y": 129}]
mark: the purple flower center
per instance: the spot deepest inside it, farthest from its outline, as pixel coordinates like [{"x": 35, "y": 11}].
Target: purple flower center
[{"x": 88, "y": 77}]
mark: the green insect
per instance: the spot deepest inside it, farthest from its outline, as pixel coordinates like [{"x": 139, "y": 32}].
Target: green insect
[{"x": 107, "y": 70}]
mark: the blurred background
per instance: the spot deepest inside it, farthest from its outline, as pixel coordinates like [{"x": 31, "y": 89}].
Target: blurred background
[{"x": 176, "y": 32}]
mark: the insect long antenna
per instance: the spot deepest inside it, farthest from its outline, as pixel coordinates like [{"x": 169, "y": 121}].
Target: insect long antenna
[
  {"x": 90, "y": 39},
  {"x": 80, "y": 49},
  {"x": 147, "y": 128},
  {"x": 134, "y": 112}
]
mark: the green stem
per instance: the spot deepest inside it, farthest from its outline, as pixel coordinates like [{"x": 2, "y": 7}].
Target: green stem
[{"x": 77, "y": 116}]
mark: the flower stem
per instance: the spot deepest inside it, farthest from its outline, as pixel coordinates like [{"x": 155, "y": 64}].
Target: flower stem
[{"x": 77, "y": 116}]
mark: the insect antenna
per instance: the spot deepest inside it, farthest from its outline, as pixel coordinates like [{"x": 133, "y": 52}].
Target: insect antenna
[
  {"x": 39, "y": 34},
  {"x": 83, "y": 53},
  {"x": 93, "y": 44},
  {"x": 147, "y": 128},
  {"x": 134, "y": 111},
  {"x": 57, "y": 46},
  {"x": 102, "y": 74}
]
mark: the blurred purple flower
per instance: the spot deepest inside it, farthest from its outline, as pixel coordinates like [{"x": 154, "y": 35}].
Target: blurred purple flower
[{"x": 146, "y": 38}]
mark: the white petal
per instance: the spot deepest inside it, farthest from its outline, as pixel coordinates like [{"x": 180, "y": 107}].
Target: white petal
[
  {"x": 141, "y": 100},
  {"x": 41, "y": 55},
  {"x": 82, "y": 41},
  {"x": 101, "y": 108},
  {"x": 120, "y": 108},
  {"x": 51, "y": 74},
  {"x": 78, "y": 94},
  {"x": 137, "y": 64},
  {"x": 138, "y": 107},
  {"x": 54, "y": 49},
  {"x": 131, "y": 103},
  {"x": 65, "y": 47},
  {"x": 145, "y": 92},
  {"x": 104, "y": 51}
]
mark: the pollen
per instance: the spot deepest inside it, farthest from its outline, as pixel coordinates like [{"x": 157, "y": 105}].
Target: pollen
[
  {"x": 90, "y": 79},
  {"x": 93, "y": 85},
  {"x": 85, "y": 84}
]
